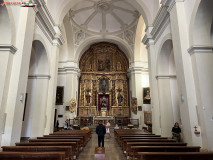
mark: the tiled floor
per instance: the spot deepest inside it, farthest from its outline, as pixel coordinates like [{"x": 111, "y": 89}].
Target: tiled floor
[{"x": 112, "y": 149}]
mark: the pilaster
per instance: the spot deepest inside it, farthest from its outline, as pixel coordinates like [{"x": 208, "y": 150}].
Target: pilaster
[
  {"x": 18, "y": 78},
  {"x": 185, "y": 79}
]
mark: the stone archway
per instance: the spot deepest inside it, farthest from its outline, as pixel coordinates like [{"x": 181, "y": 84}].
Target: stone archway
[
  {"x": 34, "y": 118},
  {"x": 167, "y": 88},
  {"x": 202, "y": 61}
]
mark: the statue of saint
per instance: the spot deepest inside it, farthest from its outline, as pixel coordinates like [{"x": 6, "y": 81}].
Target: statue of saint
[
  {"x": 119, "y": 98},
  {"x": 104, "y": 103},
  {"x": 87, "y": 97},
  {"x": 119, "y": 66}
]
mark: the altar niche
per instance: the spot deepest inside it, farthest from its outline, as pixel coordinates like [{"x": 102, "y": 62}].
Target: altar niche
[{"x": 104, "y": 85}]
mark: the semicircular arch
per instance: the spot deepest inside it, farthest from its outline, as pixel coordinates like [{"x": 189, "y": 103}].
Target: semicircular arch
[{"x": 87, "y": 43}]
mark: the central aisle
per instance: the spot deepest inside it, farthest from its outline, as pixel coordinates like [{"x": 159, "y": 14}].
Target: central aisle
[{"x": 112, "y": 149}]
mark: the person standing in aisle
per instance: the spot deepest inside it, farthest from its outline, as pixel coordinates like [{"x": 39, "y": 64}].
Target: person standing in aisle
[{"x": 100, "y": 131}]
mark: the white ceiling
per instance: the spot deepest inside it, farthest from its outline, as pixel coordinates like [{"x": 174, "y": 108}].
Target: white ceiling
[{"x": 104, "y": 16}]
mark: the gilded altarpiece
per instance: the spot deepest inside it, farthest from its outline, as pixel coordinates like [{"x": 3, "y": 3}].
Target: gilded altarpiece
[{"x": 104, "y": 85}]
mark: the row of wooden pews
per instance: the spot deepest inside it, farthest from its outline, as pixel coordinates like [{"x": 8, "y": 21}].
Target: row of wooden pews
[
  {"x": 144, "y": 146},
  {"x": 66, "y": 144}
]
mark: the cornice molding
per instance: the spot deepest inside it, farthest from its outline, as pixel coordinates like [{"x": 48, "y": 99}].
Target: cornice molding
[
  {"x": 165, "y": 76},
  {"x": 200, "y": 49},
  {"x": 160, "y": 23},
  {"x": 8, "y": 47},
  {"x": 137, "y": 68},
  {"x": 39, "y": 76},
  {"x": 68, "y": 67},
  {"x": 172, "y": 4},
  {"x": 47, "y": 24}
]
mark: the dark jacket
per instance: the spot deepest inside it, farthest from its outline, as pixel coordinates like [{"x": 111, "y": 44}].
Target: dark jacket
[{"x": 101, "y": 130}]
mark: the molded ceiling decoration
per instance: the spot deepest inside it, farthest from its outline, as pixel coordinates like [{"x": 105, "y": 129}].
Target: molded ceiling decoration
[{"x": 104, "y": 16}]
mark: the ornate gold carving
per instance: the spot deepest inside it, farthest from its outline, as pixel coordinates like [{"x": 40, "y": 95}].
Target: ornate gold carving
[
  {"x": 72, "y": 106},
  {"x": 103, "y": 71},
  {"x": 134, "y": 105}
]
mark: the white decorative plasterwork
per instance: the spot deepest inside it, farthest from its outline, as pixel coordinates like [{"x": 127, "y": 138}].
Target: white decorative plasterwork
[
  {"x": 200, "y": 49},
  {"x": 160, "y": 22},
  {"x": 136, "y": 68},
  {"x": 68, "y": 67},
  {"x": 104, "y": 16},
  {"x": 8, "y": 47},
  {"x": 47, "y": 24},
  {"x": 79, "y": 36}
]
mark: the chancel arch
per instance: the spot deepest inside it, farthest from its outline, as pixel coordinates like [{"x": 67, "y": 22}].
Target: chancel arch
[
  {"x": 103, "y": 85},
  {"x": 167, "y": 88},
  {"x": 37, "y": 91}
]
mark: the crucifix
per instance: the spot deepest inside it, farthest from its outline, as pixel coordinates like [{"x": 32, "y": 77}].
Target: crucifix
[{"x": 195, "y": 129}]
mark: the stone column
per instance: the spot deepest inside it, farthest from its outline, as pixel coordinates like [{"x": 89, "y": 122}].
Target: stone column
[
  {"x": 185, "y": 79},
  {"x": 135, "y": 77},
  {"x": 152, "y": 61},
  {"x": 52, "y": 89},
  {"x": 19, "y": 76},
  {"x": 6, "y": 58},
  {"x": 202, "y": 62},
  {"x": 71, "y": 88}
]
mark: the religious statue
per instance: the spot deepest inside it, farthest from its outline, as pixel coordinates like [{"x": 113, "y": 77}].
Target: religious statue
[
  {"x": 118, "y": 66},
  {"x": 100, "y": 65},
  {"x": 88, "y": 96},
  {"x": 103, "y": 104},
  {"x": 134, "y": 105},
  {"x": 72, "y": 106},
  {"x": 119, "y": 97}
]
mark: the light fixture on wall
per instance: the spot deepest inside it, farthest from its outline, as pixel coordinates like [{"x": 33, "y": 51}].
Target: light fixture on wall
[
  {"x": 182, "y": 98},
  {"x": 21, "y": 98}
]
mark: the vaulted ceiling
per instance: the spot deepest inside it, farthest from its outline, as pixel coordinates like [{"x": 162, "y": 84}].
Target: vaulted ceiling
[{"x": 104, "y": 16}]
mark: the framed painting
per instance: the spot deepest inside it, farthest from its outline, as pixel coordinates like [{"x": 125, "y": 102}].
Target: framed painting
[
  {"x": 59, "y": 95},
  {"x": 146, "y": 95},
  {"x": 139, "y": 108}
]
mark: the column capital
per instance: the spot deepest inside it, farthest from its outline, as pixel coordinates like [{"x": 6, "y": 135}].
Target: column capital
[
  {"x": 172, "y": 3},
  {"x": 200, "y": 49},
  {"x": 148, "y": 40},
  {"x": 8, "y": 47},
  {"x": 68, "y": 67},
  {"x": 137, "y": 68}
]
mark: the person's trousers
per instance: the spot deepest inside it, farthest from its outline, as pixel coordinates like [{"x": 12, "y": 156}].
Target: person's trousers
[{"x": 100, "y": 140}]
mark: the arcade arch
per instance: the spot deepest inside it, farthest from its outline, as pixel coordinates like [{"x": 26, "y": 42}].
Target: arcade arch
[{"x": 34, "y": 117}]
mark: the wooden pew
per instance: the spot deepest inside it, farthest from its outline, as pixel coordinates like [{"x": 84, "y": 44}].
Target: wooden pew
[
  {"x": 32, "y": 155},
  {"x": 125, "y": 141},
  {"x": 62, "y": 137},
  {"x": 66, "y": 149},
  {"x": 120, "y": 142},
  {"x": 129, "y": 144},
  {"x": 175, "y": 155},
  {"x": 136, "y": 149},
  {"x": 79, "y": 144},
  {"x": 119, "y": 137},
  {"x": 73, "y": 144},
  {"x": 88, "y": 134}
]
